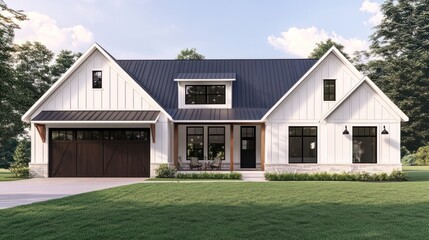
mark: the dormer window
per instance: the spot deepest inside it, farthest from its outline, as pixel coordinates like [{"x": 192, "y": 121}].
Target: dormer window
[
  {"x": 97, "y": 79},
  {"x": 205, "y": 94},
  {"x": 205, "y": 90}
]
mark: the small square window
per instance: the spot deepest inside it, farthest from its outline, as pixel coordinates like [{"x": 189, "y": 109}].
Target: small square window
[{"x": 96, "y": 79}]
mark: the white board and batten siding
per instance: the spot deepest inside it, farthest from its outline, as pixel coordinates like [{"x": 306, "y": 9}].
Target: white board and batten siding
[
  {"x": 119, "y": 92},
  {"x": 304, "y": 106}
]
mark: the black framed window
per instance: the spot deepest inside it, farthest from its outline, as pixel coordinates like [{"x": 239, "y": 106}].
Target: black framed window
[
  {"x": 97, "y": 79},
  {"x": 302, "y": 144},
  {"x": 216, "y": 142},
  {"x": 364, "y": 144},
  {"x": 329, "y": 90},
  {"x": 205, "y": 94},
  {"x": 195, "y": 142}
]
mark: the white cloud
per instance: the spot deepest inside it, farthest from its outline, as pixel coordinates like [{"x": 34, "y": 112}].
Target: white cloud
[
  {"x": 372, "y": 8},
  {"x": 44, "y": 29},
  {"x": 301, "y": 41}
]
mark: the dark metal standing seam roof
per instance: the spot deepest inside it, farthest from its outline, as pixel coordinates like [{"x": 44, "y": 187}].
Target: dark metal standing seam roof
[
  {"x": 259, "y": 84},
  {"x": 96, "y": 116},
  {"x": 205, "y": 76}
]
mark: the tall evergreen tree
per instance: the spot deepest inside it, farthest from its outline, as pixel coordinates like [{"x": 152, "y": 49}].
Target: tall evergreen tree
[
  {"x": 402, "y": 43},
  {"x": 32, "y": 72},
  {"x": 10, "y": 120},
  {"x": 63, "y": 62},
  {"x": 322, "y": 47}
]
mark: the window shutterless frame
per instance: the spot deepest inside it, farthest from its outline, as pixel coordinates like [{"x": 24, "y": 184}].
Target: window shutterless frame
[
  {"x": 97, "y": 79},
  {"x": 205, "y": 94},
  {"x": 364, "y": 145},
  {"x": 302, "y": 144},
  {"x": 329, "y": 90},
  {"x": 192, "y": 134},
  {"x": 216, "y": 133}
]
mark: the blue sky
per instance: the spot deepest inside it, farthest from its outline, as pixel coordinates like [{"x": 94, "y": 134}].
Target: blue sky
[{"x": 218, "y": 29}]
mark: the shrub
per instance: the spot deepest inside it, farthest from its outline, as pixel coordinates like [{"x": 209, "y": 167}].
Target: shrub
[
  {"x": 20, "y": 170},
  {"x": 409, "y": 160},
  {"x": 422, "y": 156},
  {"x": 165, "y": 171},
  {"x": 206, "y": 175},
  {"x": 22, "y": 153},
  {"x": 285, "y": 176}
]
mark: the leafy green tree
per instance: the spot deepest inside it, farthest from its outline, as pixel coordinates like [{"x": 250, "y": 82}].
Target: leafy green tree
[
  {"x": 10, "y": 120},
  {"x": 189, "y": 54},
  {"x": 322, "y": 47},
  {"x": 32, "y": 73},
  {"x": 63, "y": 62},
  {"x": 401, "y": 44}
]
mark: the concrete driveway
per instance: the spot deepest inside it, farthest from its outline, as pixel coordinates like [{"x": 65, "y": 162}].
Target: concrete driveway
[{"x": 22, "y": 192}]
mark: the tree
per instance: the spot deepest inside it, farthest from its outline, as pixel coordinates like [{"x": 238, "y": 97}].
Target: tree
[
  {"x": 7, "y": 151},
  {"x": 22, "y": 153},
  {"x": 401, "y": 43},
  {"x": 10, "y": 120},
  {"x": 422, "y": 156},
  {"x": 189, "y": 54},
  {"x": 63, "y": 62},
  {"x": 32, "y": 72},
  {"x": 322, "y": 47}
]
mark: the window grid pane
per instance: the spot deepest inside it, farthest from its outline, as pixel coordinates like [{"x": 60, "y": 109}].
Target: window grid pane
[
  {"x": 195, "y": 142},
  {"x": 205, "y": 94},
  {"x": 302, "y": 144},
  {"x": 216, "y": 142}
]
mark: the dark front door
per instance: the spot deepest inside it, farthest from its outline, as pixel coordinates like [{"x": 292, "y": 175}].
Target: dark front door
[
  {"x": 99, "y": 153},
  {"x": 248, "y": 147}
]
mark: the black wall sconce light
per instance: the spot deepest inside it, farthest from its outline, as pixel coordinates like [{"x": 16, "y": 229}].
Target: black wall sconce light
[
  {"x": 345, "y": 132},
  {"x": 384, "y": 130}
]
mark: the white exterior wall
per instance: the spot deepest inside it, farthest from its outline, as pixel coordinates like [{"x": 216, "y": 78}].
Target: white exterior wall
[
  {"x": 305, "y": 107},
  {"x": 119, "y": 92}
]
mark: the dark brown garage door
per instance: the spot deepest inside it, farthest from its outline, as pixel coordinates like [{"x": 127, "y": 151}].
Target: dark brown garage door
[{"x": 99, "y": 152}]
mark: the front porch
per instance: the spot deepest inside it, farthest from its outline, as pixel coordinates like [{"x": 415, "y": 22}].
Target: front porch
[{"x": 241, "y": 147}]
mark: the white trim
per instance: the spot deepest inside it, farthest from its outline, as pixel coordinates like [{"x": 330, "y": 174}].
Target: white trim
[
  {"x": 204, "y": 80},
  {"x": 72, "y": 69},
  {"x": 334, "y": 50},
  {"x": 377, "y": 90}
]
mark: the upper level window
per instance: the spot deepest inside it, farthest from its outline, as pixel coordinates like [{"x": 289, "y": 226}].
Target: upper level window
[
  {"x": 205, "y": 94},
  {"x": 329, "y": 90},
  {"x": 96, "y": 79}
]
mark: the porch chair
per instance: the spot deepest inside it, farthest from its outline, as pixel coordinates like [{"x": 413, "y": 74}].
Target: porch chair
[
  {"x": 216, "y": 164},
  {"x": 195, "y": 163}
]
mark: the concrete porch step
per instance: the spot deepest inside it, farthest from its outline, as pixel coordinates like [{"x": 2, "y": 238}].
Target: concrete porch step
[{"x": 253, "y": 176}]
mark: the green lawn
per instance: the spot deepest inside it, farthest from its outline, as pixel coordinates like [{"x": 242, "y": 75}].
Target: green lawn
[
  {"x": 6, "y": 175},
  {"x": 232, "y": 210}
]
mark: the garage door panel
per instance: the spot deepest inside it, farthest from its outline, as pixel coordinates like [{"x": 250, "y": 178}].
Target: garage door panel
[
  {"x": 65, "y": 155},
  {"x": 99, "y": 153},
  {"x": 89, "y": 161},
  {"x": 136, "y": 160},
  {"x": 115, "y": 159}
]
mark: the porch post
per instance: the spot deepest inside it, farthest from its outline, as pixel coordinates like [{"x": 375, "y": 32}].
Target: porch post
[
  {"x": 175, "y": 144},
  {"x": 262, "y": 146},
  {"x": 231, "y": 147}
]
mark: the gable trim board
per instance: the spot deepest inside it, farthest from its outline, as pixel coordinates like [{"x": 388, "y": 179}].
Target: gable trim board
[
  {"x": 272, "y": 138},
  {"x": 374, "y": 87}
]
